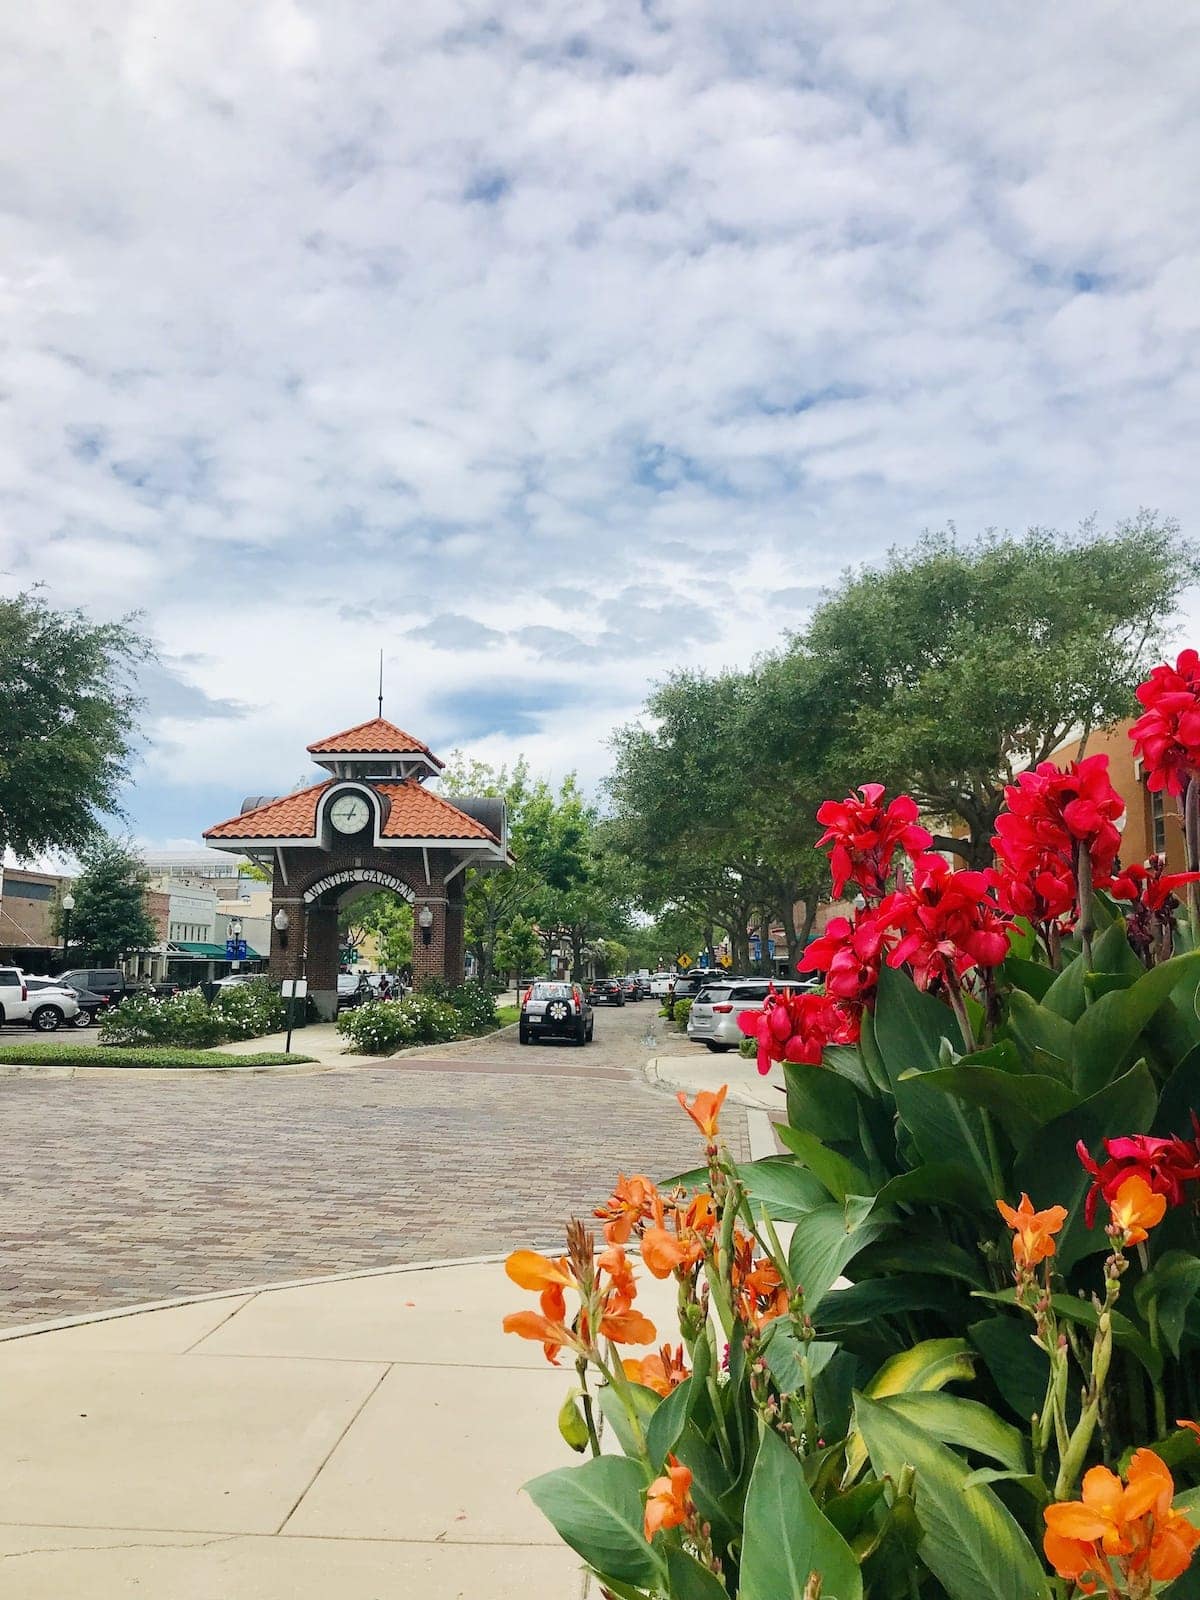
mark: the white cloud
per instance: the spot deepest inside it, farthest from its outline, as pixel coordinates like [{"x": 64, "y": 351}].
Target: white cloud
[{"x": 440, "y": 309}]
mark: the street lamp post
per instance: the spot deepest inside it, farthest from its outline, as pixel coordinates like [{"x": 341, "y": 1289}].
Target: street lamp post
[
  {"x": 235, "y": 933},
  {"x": 68, "y": 905}
]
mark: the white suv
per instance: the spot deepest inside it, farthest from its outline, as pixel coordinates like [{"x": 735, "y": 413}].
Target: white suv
[
  {"x": 44, "y": 1009},
  {"x": 712, "y": 1021}
]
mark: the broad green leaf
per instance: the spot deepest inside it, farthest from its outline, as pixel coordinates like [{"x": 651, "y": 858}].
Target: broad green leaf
[
  {"x": 712, "y": 1482},
  {"x": 1023, "y": 941},
  {"x": 668, "y": 1422},
  {"x": 783, "y": 1351},
  {"x": 843, "y": 1062},
  {"x": 1021, "y": 1102},
  {"x": 907, "y": 1255},
  {"x": 839, "y": 1176},
  {"x": 964, "y": 1423},
  {"x": 1039, "y": 1027},
  {"x": 937, "y": 1183},
  {"x": 910, "y": 1026},
  {"x": 1051, "y": 1173},
  {"x": 1172, "y": 1284},
  {"x": 942, "y": 1128},
  {"x": 691, "y": 1581},
  {"x": 646, "y": 1403},
  {"x": 973, "y": 1545},
  {"x": 1033, "y": 977},
  {"x": 1018, "y": 1368},
  {"x": 1067, "y": 995},
  {"x": 873, "y": 1298},
  {"x": 598, "y": 1509},
  {"x": 1180, "y": 1097},
  {"x": 1106, "y": 1036},
  {"x": 922, "y": 1368},
  {"x": 788, "y": 1190},
  {"x": 824, "y": 1242},
  {"x": 1113, "y": 954},
  {"x": 1071, "y": 1308},
  {"x": 821, "y": 1102},
  {"x": 1032, "y": 1484},
  {"x": 787, "y": 1538}
]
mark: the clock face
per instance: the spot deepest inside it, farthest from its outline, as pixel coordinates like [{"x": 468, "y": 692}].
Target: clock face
[{"x": 349, "y": 813}]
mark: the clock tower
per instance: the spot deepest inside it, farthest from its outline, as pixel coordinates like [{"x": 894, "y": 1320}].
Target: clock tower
[{"x": 370, "y": 823}]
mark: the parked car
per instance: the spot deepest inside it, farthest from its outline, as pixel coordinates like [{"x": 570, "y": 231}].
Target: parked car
[
  {"x": 631, "y": 987},
  {"x": 549, "y": 1007},
  {"x": 18, "y": 1003},
  {"x": 660, "y": 984},
  {"x": 606, "y": 992},
  {"x": 235, "y": 980},
  {"x": 98, "y": 980},
  {"x": 89, "y": 1005},
  {"x": 712, "y": 1020}
]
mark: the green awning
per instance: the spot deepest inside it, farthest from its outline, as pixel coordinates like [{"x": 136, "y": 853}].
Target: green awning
[{"x": 211, "y": 952}]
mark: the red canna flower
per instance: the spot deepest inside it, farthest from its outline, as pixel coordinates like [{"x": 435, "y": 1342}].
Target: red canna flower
[
  {"x": 1151, "y": 893},
  {"x": 849, "y": 954},
  {"x": 1167, "y": 735},
  {"x": 795, "y": 1026},
  {"x": 1165, "y": 1165},
  {"x": 865, "y": 835},
  {"x": 948, "y": 922},
  {"x": 1039, "y": 890},
  {"x": 1051, "y": 813}
]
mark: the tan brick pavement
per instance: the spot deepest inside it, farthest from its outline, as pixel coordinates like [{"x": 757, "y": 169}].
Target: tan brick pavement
[{"x": 113, "y": 1193}]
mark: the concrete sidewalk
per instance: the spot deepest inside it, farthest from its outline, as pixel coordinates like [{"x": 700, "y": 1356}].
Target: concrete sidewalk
[{"x": 362, "y": 1437}]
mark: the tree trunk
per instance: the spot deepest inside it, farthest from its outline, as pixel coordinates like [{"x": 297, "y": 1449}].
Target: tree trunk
[
  {"x": 787, "y": 917},
  {"x": 766, "y": 966}
]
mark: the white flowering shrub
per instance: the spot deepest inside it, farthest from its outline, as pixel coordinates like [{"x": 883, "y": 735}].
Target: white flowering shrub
[{"x": 383, "y": 1026}]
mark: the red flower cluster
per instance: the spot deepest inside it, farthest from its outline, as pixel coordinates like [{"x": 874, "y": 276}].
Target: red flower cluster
[
  {"x": 866, "y": 834},
  {"x": 948, "y": 923},
  {"x": 849, "y": 954},
  {"x": 794, "y": 1026},
  {"x": 1150, "y": 891},
  {"x": 1165, "y": 1165},
  {"x": 1167, "y": 735},
  {"x": 1052, "y": 813}
]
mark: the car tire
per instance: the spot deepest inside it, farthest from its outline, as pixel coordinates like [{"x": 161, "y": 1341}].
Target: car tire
[
  {"x": 83, "y": 1020},
  {"x": 717, "y": 1049},
  {"x": 523, "y": 1034},
  {"x": 581, "y": 1032},
  {"x": 46, "y": 1019},
  {"x": 591, "y": 1033}
]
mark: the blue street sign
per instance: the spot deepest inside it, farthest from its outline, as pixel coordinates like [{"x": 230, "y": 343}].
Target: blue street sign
[{"x": 235, "y": 949}]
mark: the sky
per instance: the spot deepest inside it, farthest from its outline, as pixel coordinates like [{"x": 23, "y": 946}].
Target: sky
[{"x": 552, "y": 347}]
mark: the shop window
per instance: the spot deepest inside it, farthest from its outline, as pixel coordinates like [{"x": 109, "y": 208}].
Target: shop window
[{"x": 1158, "y": 822}]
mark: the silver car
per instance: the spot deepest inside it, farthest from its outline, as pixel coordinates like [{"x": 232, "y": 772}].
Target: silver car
[{"x": 713, "y": 1019}]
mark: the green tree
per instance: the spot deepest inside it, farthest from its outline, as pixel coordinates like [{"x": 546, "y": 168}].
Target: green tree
[
  {"x": 386, "y": 918},
  {"x": 547, "y": 833},
  {"x": 67, "y": 717},
  {"x": 110, "y": 919},
  {"x": 518, "y": 949},
  {"x": 593, "y": 909},
  {"x": 954, "y": 666}
]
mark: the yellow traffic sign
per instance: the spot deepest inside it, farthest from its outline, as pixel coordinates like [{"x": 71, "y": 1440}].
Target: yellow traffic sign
[
  {"x": 726, "y": 961},
  {"x": 684, "y": 962}
]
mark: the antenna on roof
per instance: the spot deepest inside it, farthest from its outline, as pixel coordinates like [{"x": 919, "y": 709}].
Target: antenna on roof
[{"x": 381, "y": 683}]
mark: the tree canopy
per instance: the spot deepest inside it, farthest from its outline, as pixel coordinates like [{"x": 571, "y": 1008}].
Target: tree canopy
[
  {"x": 67, "y": 723},
  {"x": 110, "y": 918}
]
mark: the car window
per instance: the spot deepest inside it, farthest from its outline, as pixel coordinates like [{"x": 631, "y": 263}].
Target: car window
[
  {"x": 551, "y": 991},
  {"x": 9, "y": 975}
]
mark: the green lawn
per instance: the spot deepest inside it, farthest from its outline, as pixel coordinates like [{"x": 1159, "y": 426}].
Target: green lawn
[
  {"x": 111, "y": 1055},
  {"x": 507, "y": 1015}
]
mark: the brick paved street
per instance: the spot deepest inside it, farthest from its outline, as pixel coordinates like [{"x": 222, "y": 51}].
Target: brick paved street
[{"x": 115, "y": 1192}]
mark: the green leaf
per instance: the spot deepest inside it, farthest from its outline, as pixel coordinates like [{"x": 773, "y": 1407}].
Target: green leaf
[
  {"x": 782, "y": 1349},
  {"x": 827, "y": 1240},
  {"x": 1039, "y": 1027},
  {"x": 1173, "y": 1282},
  {"x": 1071, "y": 1308},
  {"x": 1051, "y": 1173},
  {"x": 1180, "y": 1097},
  {"x": 821, "y": 1102},
  {"x": 938, "y": 1183},
  {"x": 1106, "y": 1036},
  {"x": 839, "y": 1176},
  {"x": 1022, "y": 1102},
  {"x": 965, "y": 1423},
  {"x": 598, "y": 1510},
  {"x": 943, "y": 1129},
  {"x": 922, "y": 1368},
  {"x": 1067, "y": 995},
  {"x": 668, "y": 1422},
  {"x": 1018, "y": 1368},
  {"x": 873, "y": 1298},
  {"x": 973, "y": 1544},
  {"x": 786, "y": 1538},
  {"x": 613, "y": 1409},
  {"x": 1032, "y": 977},
  {"x": 910, "y": 1026},
  {"x": 1028, "y": 1481},
  {"x": 690, "y": 1581},
  {"x": 788, "y": 1190},
  {"x": 906, "y": 1255}
]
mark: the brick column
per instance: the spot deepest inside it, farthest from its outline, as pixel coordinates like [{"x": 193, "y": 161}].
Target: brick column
[
  {"x": 289, "y": 962},
  {"x": 429, "y": 960},
  {"x": 322, "y": 958},
  {"x": 454, "y": 959}
]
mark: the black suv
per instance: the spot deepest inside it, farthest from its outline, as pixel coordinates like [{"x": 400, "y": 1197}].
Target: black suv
[{"x": 552, "y": 1006}]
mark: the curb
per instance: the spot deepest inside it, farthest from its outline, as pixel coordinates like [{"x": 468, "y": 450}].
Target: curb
[
  {"x": 30, "y": 1330},
  {"x": 753, "y": 1096},
  {"x": 300, "y": 1070}
]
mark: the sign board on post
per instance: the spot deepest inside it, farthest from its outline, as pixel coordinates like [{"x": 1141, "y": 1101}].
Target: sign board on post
[{"x": 294, "y": 988}]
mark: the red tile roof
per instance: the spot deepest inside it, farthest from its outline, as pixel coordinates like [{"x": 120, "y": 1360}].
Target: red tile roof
[
  {"x": 417, "y": 813},
  {"x": 376, "y": 737},
  {"x": 294, "y": 816},
  {"x": 414, "y": 813}
]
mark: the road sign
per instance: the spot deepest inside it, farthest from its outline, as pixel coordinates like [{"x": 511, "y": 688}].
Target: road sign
[
  {"x": 684, "y": 962},
  {"x": 294, "y": 988},
  {"x": 236, "y": 950},
  {"x": 726, "y": 961}
]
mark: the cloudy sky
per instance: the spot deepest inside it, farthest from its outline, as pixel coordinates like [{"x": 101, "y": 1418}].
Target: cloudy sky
[{"x": 550, "y": 346}]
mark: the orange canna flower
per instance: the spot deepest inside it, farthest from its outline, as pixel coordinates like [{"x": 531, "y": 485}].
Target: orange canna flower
[
  {"x": 759, "y": 1292},
  {"x": 1186, "y": 1422},
  {"x": 630, "y": 1203},
  {"x": 661, "y": 1371},
  {"x": 1132, "y": 1523},
  {"x": 1135, "y": 1209},
  {"x": 1032, "y": 1230},
  {"x": 628, "y": 1327},
  {"x": 554, "y": 1335},
  {"x": 529, "y": 1270},
  {"x": 705, "y": 1109},
  {"x": 668, "y": 1500}
]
